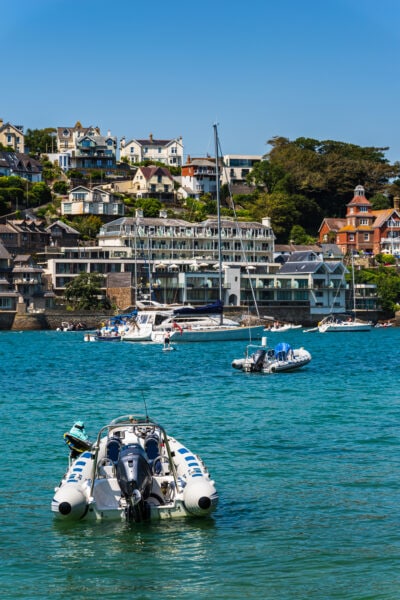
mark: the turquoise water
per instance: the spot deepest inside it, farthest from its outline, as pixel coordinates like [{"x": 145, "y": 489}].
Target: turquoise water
[{"x": 306, "y": 465}]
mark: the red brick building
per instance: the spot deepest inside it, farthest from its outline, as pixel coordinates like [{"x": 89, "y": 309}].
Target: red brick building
[{"x": 364, "y": 229}]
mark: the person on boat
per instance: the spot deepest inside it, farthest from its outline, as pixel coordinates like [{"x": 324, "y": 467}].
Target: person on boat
[
  {"x": 134, "y": 318},
  {"x": 167, "y": 339},
  {"x": 77, "y": 439},
  {"x": 78, "y": 431}
]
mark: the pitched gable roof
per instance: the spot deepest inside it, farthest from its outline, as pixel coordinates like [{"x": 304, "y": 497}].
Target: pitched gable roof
[{"x": 149, "y": 172}]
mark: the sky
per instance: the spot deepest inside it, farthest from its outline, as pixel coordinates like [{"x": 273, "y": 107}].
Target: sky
[{"x": 322, "y": 69}]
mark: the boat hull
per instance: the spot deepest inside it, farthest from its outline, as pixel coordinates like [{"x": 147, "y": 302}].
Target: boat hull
[
  {"x": 344, "y": 327},
  {"x": 218, "y": 334}
]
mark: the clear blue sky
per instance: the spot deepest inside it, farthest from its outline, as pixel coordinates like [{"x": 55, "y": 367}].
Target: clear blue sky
[{"x": 326, "y": 69}]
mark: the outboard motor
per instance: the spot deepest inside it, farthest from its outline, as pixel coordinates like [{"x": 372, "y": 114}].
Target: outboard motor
[
  {"x": 135, "y": 480},
  {"x": 258, "y": 358}
]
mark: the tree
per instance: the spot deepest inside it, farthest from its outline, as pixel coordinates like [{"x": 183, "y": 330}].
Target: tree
[
  {"x": 298, "y": 235},
  {"x": 88, "y": 226},
  {"x": 40, "y": 193},
  {"x": 380, "y": 201},
  {"x": 40, "y": 141},
  {"x": 150, "y": 206},
  {"x": 60, "y": 187},
  {"x": 328, "y": 171},
  {"x": 84, "y": 292}
]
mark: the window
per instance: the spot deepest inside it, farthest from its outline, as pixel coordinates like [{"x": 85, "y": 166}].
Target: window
[
  {"x": 363, "y": 208},
  {"x": 364, "y": 221},
  {"x": 366, "y": 237},
  {"x": 351, "y": 237}
]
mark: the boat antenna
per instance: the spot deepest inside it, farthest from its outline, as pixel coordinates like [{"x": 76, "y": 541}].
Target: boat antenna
[
  {"x": 145, "y": 407},
  {"x": 216, "y": 142}
]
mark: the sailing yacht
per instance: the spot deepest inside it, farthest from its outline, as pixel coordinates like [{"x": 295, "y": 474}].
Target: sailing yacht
[
  {"x": 218, "y": 329},
  {"x": 336, "y": 323}
]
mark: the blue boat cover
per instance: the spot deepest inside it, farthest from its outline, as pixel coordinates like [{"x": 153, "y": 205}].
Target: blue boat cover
[
  {"x": 207, "y": 309},
  {"x": 281, "y": 350}
]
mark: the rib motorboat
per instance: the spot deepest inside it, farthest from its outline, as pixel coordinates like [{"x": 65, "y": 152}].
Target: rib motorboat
[
  {"x": 260, "y": 359},
  {"x": 134, "y": 471}
]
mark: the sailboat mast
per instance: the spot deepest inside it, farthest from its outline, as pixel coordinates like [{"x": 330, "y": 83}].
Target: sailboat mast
[
  {"x": 353, "y": 281},
  {"x": 218, "y": 215}
]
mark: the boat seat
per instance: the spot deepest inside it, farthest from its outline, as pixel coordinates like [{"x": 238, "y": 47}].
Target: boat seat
[
  {"x": 152, "y": 448},
  {"x": 113, "y": 448}
]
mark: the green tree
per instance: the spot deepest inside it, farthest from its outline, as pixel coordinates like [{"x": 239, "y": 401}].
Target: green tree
[
  {"x": 84, "y": 292},
  {"x": 40, "y": 193},
  {"x": 88, "y": 226},
  {"x": 40, "y": 141},
  {"x": 60, "y": 187},
  {"x": 151, "y": 206},
  {"x": 380, "y": 201},
  {"x": 298, "y": 235},
  {"x": 328, "y": 171}
]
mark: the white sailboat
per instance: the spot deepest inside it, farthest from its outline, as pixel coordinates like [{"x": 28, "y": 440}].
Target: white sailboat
[
  {"x": 338, "y": 323},
  {"x": 220, "y": 330}
]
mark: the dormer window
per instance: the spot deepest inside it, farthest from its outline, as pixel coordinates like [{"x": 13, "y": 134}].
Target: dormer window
[{"x": 65, "y": 133}]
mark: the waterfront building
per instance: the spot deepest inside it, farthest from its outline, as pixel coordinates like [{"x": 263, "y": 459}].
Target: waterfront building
[
  {"x": 172, "y": 260},
  {"x": 168, "y": 152},
  {"x": 364, "y": 230}
]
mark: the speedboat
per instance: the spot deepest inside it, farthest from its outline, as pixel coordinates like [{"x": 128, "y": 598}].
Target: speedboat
[
  {"x": 134, "y": 471},
  {"x": 260, "y": 359}
]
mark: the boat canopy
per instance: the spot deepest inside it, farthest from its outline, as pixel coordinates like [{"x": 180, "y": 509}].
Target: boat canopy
[
  {"x": 282, "y": 350},
  {"x": 213, "y": 308}
]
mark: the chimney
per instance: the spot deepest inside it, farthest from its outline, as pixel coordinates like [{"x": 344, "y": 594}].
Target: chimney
[
  {"x": 1, "y": 122},
  {"x": 163, "y": 214},
  {"x": 396, "y": 203},
  {"x": 139, "y": 213},
  {"x": 151, "y": 138}
]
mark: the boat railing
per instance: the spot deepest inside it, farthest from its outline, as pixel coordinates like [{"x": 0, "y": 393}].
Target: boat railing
[{"x": 135, "y": 422}]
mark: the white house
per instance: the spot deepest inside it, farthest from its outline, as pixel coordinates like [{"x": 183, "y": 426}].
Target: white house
[
  {"x": 169, "y": 152},
  {"x": 96, "y": 201}
]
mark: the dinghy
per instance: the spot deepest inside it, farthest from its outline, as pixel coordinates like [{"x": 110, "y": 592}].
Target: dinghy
[
  {"x": 136, "y": 472},
  {"x": 260, "y": 359}
]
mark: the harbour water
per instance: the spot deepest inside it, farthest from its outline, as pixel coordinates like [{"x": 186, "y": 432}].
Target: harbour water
[{"x": 307, "y": 466}]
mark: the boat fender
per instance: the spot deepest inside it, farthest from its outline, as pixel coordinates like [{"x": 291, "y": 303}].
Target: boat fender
[
  {"x": 273, "y": 369},
  {"x": 200, "y": 497},
  {"x": 71, "y": 502}
]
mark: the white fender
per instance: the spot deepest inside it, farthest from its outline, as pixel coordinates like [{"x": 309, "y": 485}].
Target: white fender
[
  {"x": 70, "y": 502},
  {"x": 200, "y": 496}
]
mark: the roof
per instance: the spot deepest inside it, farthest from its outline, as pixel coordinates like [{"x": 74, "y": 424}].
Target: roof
[
  {"x": 4, "y": 253},
  {"x": 149, "y": 172},
  {"x": 62, "y": 225},
  {"x": 381, "y": 216},
  {"x": 333, "y": 224},
  {"x": 18, "y": 162}
]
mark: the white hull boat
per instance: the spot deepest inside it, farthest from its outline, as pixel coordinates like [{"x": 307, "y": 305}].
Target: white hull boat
[
  {"x": 217, "y": 333},
  {"x": 335, "y": 325},
  {"x": 133, "y": 472},
  {"x": 259, "y": 359}
]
